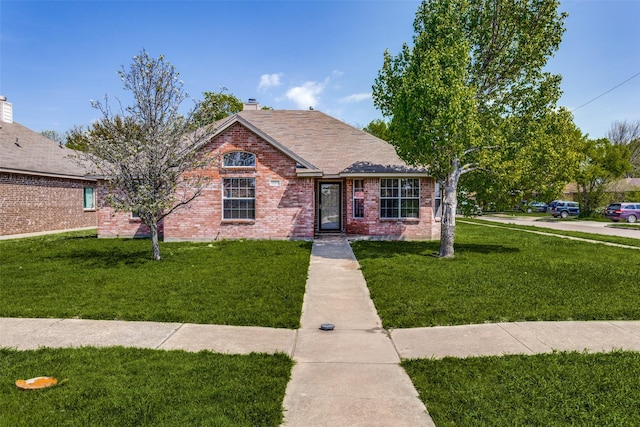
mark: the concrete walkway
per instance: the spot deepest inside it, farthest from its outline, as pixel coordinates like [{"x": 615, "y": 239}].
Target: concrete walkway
[{"x": 349, "y": 376}]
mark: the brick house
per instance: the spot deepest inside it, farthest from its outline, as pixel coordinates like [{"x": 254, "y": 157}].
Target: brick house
[
  {"x": 293, "y": 175},
  {"x": 41, "y": 189}
]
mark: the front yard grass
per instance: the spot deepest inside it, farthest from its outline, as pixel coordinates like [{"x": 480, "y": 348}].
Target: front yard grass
[
  {"x": 499, "y": 275},
  {"x": 244, "y": 283},
  {"x": 558, "y": 389},
  {"x": 139, "y": 387}
]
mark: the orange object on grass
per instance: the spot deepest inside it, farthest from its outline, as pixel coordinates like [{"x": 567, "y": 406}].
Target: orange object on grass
[{"x": 36, "y": 383}]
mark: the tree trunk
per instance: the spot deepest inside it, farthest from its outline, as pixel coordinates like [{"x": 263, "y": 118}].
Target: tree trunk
[
  {"x": 154, "y": 241},
  {"x": 585, "y": 199},
  {"x": 449, "y": 207}
]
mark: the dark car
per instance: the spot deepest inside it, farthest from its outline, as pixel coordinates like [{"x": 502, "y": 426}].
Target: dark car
[
  {"x": 563, "y": 208},
  {"x": 629, "y": 212},
  {"x": 534, "y": 207}
]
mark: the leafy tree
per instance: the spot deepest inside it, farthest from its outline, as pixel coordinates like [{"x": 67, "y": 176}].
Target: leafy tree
[
  {"x": 76, "y": 138},
  {"x": 475, "y": 69},
  {"x": 549, "y": 159},
  {"x": 79, "y": 138},
  {"x": 378, "y": 128},
  {"x": 540, "y": 168},
  {"x": 628, "y": 133},
  {"x": 603, "y": 162},
  {"x": 147, "y": 151},
  {"x": 216, "y": 106},
  {"x": 53, "y": 135}
]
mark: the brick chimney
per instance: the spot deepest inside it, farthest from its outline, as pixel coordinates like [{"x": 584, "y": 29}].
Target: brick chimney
[{"x": 6, "y": 110}]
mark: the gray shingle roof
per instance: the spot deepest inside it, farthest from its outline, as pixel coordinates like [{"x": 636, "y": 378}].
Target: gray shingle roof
[
  {"x": 327, "y": 143},
  {"x": 25, "y": 151}
]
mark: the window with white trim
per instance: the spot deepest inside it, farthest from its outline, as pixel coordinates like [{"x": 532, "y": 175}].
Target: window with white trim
[
  {"x": 239, "y": 198},
  {"x": 89, "y": 201},
  {"x": 239, "y": 159},
  {"x": 400, "y": 198},
  {"x": 358, "y": 198}
]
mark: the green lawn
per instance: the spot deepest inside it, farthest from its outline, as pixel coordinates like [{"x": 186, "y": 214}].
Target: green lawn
[
  {"x": 257, "y": 283},
  {"x": 77, "y": 275},
  {"x": 559, "y": 389},
  {"x": 137, "y": 387},
  {"x": 499, "y": 275}
]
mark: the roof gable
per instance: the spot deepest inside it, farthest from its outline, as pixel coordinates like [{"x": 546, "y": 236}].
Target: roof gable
[
  {"x": 228, "y": 122},
  {"x": 320, "y": 142}
]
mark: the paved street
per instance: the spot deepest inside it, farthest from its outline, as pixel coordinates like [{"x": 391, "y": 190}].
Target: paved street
[{"x": 568, "y": 225}]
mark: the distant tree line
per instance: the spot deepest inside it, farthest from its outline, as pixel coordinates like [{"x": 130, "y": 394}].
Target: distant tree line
[{"x": 592, "y": 164}]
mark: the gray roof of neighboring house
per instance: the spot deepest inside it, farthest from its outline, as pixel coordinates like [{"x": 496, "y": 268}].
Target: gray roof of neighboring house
[
  {"x": 25, "y": 151},
  {"x": 620, "y": 185},
  {"x": 322, "y": 142},
  {"x": 626, "y": 184}
]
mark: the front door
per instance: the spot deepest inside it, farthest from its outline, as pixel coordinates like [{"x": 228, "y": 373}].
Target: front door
[{"x": 330, "y": 206}]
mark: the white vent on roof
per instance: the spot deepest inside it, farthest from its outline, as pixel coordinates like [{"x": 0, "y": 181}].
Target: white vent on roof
[{"x": 6, "y": 110}]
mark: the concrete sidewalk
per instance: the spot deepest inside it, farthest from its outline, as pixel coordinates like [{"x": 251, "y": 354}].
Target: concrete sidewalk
[
  {"x": 27, "y": 334},
  {"x": 498, "y": 339},
  {"x": 491, "y": 339}
]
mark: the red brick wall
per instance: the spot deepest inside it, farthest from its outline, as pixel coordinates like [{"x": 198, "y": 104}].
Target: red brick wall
[
  {"x": 118, "y": 224},
  {"x": 31, "y": 203},
  {"x": 282, "y": 211},
  {"x": 371, "y": 225}
]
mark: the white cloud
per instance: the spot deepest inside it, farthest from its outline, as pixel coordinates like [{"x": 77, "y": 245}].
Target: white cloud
[
  {"x": 306, "y": 96},
  {"x": 269, "y": 80},
  {"x": 356, "y": 97}
]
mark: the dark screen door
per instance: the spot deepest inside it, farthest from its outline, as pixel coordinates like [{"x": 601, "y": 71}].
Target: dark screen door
[{"x": 330, "y": 206}]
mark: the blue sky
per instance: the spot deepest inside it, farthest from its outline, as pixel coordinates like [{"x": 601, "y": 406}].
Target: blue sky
[{"x": 55, "y": 56}]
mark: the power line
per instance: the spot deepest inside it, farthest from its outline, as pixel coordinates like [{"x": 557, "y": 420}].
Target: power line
[{"x": 610, "y": 90}]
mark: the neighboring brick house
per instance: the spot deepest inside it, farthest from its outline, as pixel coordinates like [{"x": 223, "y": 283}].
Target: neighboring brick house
[
  {"x": 294, "y": 175},
  {"x": 41, "y": 189}
]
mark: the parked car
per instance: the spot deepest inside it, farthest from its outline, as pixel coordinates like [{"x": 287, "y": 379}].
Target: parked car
[
  {"x": 534, "y": 207},
  {"x": 629, "y": 212},
  {"x": 563, "y": 208}
]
